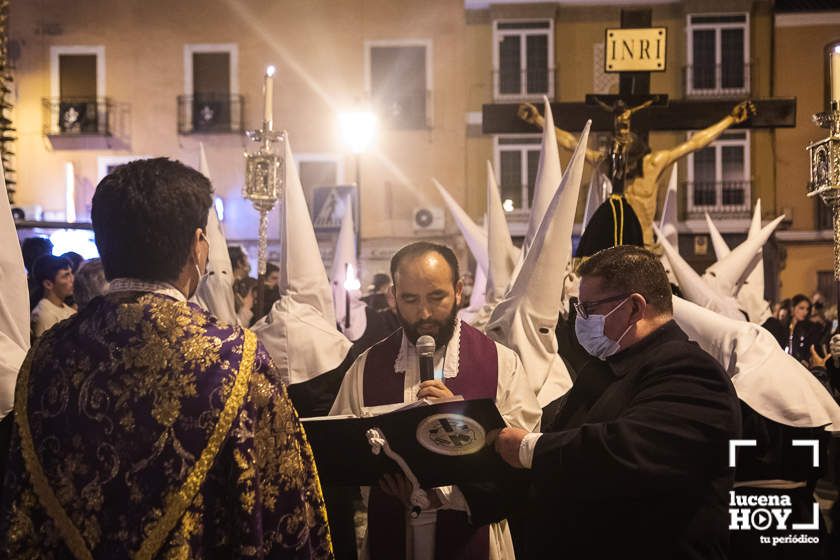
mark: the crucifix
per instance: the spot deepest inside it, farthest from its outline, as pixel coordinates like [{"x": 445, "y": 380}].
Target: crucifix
[{"x": 633, "y": 169}]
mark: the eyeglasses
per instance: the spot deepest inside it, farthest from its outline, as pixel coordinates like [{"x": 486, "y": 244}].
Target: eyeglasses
[{"x": 583, "y": 309}]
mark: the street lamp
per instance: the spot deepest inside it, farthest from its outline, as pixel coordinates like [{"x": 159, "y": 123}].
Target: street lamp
[{"x": 358, "y": 130}]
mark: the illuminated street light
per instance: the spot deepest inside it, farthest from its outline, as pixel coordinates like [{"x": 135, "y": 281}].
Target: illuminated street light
[{"x": 358, "y": 131}]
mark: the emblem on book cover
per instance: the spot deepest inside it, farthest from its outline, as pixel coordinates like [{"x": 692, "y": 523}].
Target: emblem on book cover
[{"x": 450, "y": 434}]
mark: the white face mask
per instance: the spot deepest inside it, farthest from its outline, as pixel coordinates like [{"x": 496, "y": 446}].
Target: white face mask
[{"x": 590, "y": 334}]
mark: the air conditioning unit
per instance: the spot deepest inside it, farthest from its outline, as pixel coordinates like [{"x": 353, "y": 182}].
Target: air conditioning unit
[{"x": 428, "y": 219}]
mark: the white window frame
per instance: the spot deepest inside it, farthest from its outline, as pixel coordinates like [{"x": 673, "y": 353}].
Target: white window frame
[
  {"x": 233, "y": 51},
  {"x": 55, "y": 77},
  {"x": 717, "y": 27},
  {"x": 499, "y": 35},
  {"x": 404, "y": 42},
  {"x": 523, "y": 150},
  {"x": 718, "y": 144},
  {"x": 103, "y": 162}
]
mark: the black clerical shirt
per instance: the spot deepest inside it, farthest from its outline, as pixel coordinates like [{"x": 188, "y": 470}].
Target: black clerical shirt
[{"x": 643, "y": 470}]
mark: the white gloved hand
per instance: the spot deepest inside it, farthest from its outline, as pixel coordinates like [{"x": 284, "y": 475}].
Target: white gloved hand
[{"x": 834, "y": 346}]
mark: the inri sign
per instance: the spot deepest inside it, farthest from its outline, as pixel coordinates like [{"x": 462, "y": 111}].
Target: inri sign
[{"x": 635, "y": 50}]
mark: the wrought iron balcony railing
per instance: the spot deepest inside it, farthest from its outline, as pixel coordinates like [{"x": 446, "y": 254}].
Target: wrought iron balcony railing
[
  {"x": 77, "y": 116},
  {"x": 721, "y": 199},
  {"x": 210, "y": 113},
  {"x": 717, "y": 80},
  {"x": 523, "y": 84}
]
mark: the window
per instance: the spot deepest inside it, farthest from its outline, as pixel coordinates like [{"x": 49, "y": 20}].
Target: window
[
  {"x": 523, "y": 58},
  {"x": 719, "y": 177},
  {"x": 399, "y": 82},
  {"x": 319, "y": 170},
  {"x": 77, "y": 102},
  {"x": 211, "y": 101},
  {"x": 517, "y": 162},
  {"x": 718, "y": 54}
]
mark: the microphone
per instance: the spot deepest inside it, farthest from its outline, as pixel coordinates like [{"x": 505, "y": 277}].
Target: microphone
[{"x": 426, "y": 351}]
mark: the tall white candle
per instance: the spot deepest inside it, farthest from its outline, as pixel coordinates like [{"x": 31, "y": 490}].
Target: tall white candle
[
  {"x": 269, "y": 96},
  {"x": 835, "y": 75}
]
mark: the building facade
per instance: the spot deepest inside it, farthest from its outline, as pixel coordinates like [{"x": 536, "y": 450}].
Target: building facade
[{"x": 100, "y": 83}]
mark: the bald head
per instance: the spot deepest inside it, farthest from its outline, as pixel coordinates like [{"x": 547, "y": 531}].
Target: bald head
[{"x": 421, "y": 249}]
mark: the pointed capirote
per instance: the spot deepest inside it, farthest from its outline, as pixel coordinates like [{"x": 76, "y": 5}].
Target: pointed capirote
[
  {"x": 300, "y": 329},
  {"x": 474, "y": 235},
  {"x": 693, "y": 287},
  {"x": 479, "y": 291},
  {"x": 344, "y": 261},
  {"x": 668, "y": 221},
  {"x": 731, "y": 271},
  {"x": 526, "y": 318},
  {"x": 751, "y": 295},
  {"x": 203, "y": 166},
  {"x": 595, "y": 194},
  {"x": 502, "y": 254},
  {"x": 755, "y": 281},
  {"x": 770, "y": 381},
  {"x": 720, "y": 246},
  {"x": 215, "y": 290},
  {"x": 14, "y": 304},
  {"x": 549, "y": 175}
]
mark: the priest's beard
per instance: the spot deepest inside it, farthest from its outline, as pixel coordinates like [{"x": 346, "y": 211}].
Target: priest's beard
[{"x": 445, "y": 328}]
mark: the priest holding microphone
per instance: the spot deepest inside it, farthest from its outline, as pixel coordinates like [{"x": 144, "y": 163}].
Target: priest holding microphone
[{"x": 433, "y": 355}]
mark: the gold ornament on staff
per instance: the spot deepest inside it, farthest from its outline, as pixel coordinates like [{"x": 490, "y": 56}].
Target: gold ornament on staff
[
  {"x": 825, "y": 158},
  {"x": 265, "y": 169}
]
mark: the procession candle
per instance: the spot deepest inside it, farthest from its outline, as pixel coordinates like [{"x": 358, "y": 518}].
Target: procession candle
[
  {"x": 347, "y": 269},
  {"x": 269, "y": 94},
  {"x": 835, "y": 75}
]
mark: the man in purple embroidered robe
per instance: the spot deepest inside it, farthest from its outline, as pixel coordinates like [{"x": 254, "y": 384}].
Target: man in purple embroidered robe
[
  {"x": 146, "y": 428},
  {"x": 467, "y": 363}
]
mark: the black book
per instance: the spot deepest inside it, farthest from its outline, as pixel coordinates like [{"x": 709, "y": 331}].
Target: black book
[{"x": 443, "y": 443}]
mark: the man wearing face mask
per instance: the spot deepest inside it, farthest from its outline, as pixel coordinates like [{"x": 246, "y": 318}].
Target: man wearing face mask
[
  {"x": 145, "y": 427},
  {"x": 428, "y": 292},
  {"x": 640, "y": 469}
]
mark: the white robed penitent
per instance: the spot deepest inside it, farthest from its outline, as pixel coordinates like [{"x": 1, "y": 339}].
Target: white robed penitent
[
  {"x": 750, "y": 294},
  {"x": 300, "y": 331},
  {"x": 525, "y": 320},
  {"x": 345, "y": 279},
  {"x": 770, "y": 381},
  {"x": 215, "y": 289},
  {"x": 14, "y": 305}
]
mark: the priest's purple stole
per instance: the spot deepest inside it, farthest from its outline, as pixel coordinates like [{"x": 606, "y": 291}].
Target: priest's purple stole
[{"x": 477, "y": 378}]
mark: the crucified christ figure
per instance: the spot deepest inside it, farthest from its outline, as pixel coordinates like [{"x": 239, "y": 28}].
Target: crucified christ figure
[{"x": 633, "y": 168}]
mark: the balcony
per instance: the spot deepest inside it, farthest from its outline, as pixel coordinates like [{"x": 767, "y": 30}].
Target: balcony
[
  {"x": 721, "y": 80},
  {"x": 210, "y": 114},
  {"x": 531, "y": 83},
  {"x": 723, "y": 200},
  {"x": 78, "y": 116}
]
